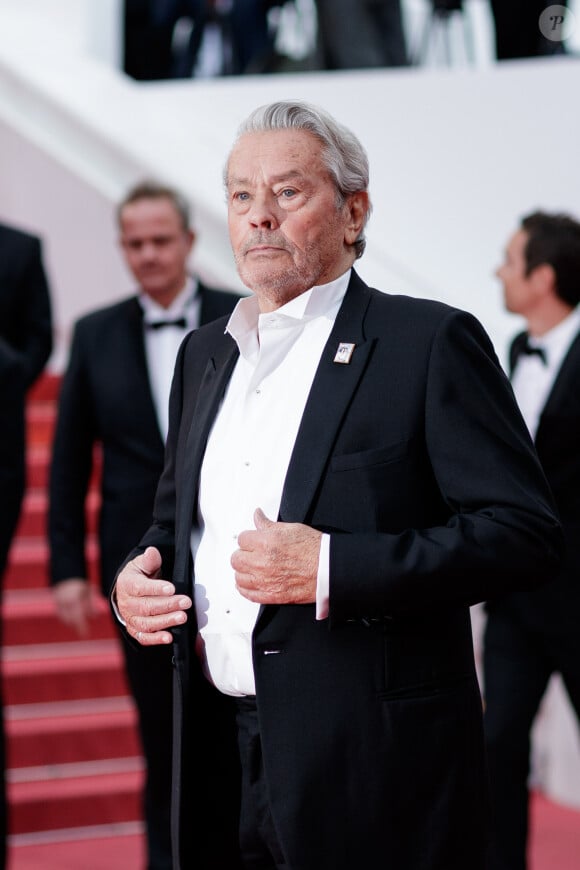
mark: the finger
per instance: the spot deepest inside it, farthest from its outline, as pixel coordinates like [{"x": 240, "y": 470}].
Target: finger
[
  {"x": 153, "y": 638},
  {"x": 152, "y": 606},
  {"x": 246, "y": 588},
  {"x": 133, "y": 582},
  {"x": 150, "y": 631},
  {"x": 150, "y": 561},
  {"x": 147, "y": 563},
  {"x": 261, "y": 521},
  {"x": 244, "y": 579}
]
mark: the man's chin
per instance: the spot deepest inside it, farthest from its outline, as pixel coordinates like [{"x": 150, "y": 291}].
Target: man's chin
[
  {"x": 154, "y": 288},
  {"x": 258, "y": 276}
]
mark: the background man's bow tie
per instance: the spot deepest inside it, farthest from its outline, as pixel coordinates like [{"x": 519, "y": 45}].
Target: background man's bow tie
[
  {"x": 160, "y": 324},
  {"x": 524, "y": 348}
]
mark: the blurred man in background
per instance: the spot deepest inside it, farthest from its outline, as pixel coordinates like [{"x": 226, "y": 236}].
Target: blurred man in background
[
  {"x": 114, "y": 396},
  {"x": 25, "y": 346},
  {"x": 534, "y": 633}
]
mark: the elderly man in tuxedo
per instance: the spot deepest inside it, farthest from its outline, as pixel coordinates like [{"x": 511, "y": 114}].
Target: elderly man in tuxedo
[
  {"x": 25, "y": 346},
  {"x": 113, "y": 413},
  {"x": 533, "y": 633},
  {"x": 346, "y": 472}
]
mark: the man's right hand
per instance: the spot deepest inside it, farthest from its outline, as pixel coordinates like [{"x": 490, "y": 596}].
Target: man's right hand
[
  {"x": 149, "y": 606},
  {"x": 75, "y": 603}
]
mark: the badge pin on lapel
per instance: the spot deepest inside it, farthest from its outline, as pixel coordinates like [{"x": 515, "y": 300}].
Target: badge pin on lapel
[{"x": 344, "y": 352}]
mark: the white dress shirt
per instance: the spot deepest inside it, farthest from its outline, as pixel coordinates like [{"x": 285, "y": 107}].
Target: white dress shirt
[
  {"x": 161, "y": 345},
  {"x": 245, "y": 464},
  {"x": 532, "y": 379}
]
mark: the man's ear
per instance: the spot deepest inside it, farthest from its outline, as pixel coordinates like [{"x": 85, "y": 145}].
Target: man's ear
[
  {"x": 358, "y": 206},
  {"x": 543, "y": 279}
]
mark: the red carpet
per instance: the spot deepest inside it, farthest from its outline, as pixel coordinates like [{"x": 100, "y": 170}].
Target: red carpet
[
  {"x": 117, "y": 849},
  {"x": 74, "y": 765},
  {"x": 555, "y": 836},
  {"x": 555, "y": 845}
]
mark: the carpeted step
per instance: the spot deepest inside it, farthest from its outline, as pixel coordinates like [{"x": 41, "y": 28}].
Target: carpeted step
[
  {"x": 38, "y": 458},
  {"x": 33, "y": 517},
  {"x": 46, "y": 388},
  {"x": 63, "y": 672},
  {"x": 40, "y": 421},
  {"x": 114, "y": 847},
  {"x": 74, "y": 757},
  {"x": 37, "y": 466},
  {"x": 44, "y": 735},
  {"x": 30, "y": 618},
  {"x": 60, "y": 799},
  {"x": 29, "y": 559},
  {"x": 27, "y": 564}
]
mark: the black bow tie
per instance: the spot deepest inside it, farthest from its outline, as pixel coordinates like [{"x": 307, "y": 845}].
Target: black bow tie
[
  {"x": 160, "y": 324},
  {"x": 527, "y": 349}
]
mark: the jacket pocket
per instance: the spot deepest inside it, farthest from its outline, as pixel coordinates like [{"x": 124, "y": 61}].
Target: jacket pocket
[{"x": 368, "y": 458}]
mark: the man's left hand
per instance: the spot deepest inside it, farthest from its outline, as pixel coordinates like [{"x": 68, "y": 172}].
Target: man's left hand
[{"x": 277, "y": 563}]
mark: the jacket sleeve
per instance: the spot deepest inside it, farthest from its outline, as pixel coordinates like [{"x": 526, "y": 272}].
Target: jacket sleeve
[
  {"x": 501, "y": 531},
  {"x": 71, "y": 468},
  {"x": 33, "y": 330}
]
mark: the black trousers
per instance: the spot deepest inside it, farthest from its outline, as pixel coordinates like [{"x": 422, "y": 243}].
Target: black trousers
[
  {"x": 150, "y": 675},
  {"x": 518, "y": 661},
  {"x": 259, "y": 844}
]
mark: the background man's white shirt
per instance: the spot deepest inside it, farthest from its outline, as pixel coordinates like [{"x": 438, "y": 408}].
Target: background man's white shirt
[{"x": 161, "y": 345}]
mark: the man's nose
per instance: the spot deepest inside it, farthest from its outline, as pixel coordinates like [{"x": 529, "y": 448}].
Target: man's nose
[
  {"x": 263, "y": 212},
  {"x": 148, "y": 251}
]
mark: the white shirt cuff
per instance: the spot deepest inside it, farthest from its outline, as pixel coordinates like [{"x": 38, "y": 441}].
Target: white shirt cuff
[{"x": 323, "y": 579}]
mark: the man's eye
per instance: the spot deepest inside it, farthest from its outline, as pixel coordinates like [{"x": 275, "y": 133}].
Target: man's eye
[
  {"x": 287, "y": 192},
  {"x": 242, "y": 196}
]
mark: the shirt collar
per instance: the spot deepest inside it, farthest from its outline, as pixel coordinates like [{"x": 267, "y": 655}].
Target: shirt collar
[
  {"x": 152, "y": 311},
  {"x": 556, "y": 341},
  {"x": 323, "y": 300}
]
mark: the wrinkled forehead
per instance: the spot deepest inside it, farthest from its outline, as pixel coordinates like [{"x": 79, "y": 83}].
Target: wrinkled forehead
[{"x": 274, "y": 152}]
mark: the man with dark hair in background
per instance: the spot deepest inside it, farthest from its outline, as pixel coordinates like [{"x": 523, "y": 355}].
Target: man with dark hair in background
[
  {"x": 25, "y": 346},
  {"x": 534, "y": 633},
  {"x": 114, "y": 396}
]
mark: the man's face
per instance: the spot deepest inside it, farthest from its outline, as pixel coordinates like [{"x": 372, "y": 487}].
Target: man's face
[
  {"x": 286, "y": 229},
  {"x": 156, "y": 247},
  {"x": 518, "y": 287}
]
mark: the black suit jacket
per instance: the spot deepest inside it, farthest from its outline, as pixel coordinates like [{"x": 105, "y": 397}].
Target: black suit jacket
[
  {"x": 555, "y": 607},
  {"x": 106, "y": 413},
  {"x": 25, "y": 345},
  {"x": 416, "y": 459}
]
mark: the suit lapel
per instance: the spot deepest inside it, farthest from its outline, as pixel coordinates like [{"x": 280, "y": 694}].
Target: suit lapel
[
  {"x": 333, "y": 387},
  {"x": 213, "y": 385},
  {"x": 564, "y": 386},
  {"x": 515, "y": 349},
  {"x": 135, "y": 355}
]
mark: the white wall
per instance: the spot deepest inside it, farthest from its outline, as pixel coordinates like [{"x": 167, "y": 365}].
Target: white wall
[{"x": 457, "y": 155}]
